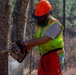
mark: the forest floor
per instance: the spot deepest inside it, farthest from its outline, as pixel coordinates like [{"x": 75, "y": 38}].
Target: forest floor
[{"x": 69, "y": 71}]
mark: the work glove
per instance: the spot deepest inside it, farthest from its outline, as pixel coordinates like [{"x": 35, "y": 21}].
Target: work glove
[{"x": 23, "y": 46}]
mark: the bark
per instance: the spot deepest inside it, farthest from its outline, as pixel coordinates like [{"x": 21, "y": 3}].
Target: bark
[
  {"x": 4, "y": 31},
  {"x": 19, "y": 20},
  {"x": 19, "y": 27}
]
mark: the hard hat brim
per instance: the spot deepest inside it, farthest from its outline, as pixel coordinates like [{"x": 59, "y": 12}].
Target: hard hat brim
[{"x": 37, "y": 17}]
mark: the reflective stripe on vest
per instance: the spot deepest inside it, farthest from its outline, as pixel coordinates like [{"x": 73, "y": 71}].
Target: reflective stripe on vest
[{"x": 51, "y": 44}]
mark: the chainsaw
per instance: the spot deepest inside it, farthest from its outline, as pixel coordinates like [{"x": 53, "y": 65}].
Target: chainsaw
[{"x": 17, "y": 52}]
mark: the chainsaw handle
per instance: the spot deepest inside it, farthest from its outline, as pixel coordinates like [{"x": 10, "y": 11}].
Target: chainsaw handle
[{"x": 21, "y": 60}]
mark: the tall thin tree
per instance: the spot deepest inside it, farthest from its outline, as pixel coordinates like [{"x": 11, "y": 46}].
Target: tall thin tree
[
  {"x": 20, "y": 19},
  {"x": 19, "y": 24},
  {"x": 64, "y": 15}
]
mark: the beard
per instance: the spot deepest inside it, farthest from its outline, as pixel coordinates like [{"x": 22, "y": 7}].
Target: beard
[{"x": 42, "y": 21}]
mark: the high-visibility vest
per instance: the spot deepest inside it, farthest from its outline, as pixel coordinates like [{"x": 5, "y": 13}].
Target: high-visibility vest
[{"x": 51, "y": 44}]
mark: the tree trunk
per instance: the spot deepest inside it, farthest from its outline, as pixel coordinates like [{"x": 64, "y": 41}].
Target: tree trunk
[
  {"x": 19, "y": 20},
  {"x": 4, "y": 31},
  {"x": 19, "y": 26}
]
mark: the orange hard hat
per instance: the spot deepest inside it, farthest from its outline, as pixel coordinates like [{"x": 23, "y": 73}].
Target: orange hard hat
[{"x": 42, "y": 8}]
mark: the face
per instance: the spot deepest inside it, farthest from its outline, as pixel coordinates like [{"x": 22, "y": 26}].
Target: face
[{"x": 42, "y": 21}]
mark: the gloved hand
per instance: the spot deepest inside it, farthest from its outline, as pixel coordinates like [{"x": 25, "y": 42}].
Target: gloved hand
[
  {"x": 24, "y": 49},
  {"x": 23, "y": 46}
]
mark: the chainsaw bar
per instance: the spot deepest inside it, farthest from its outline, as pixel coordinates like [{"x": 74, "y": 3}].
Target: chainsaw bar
[
  {"x": 19, "y": 57},
  {"x": 11, "y": 53}
]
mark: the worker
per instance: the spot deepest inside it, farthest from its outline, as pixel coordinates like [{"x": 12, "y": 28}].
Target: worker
[{"x": 49, "y": 40}]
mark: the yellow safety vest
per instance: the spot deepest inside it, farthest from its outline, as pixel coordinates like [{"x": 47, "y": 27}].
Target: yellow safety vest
[{"x": 51, "y": 44}]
